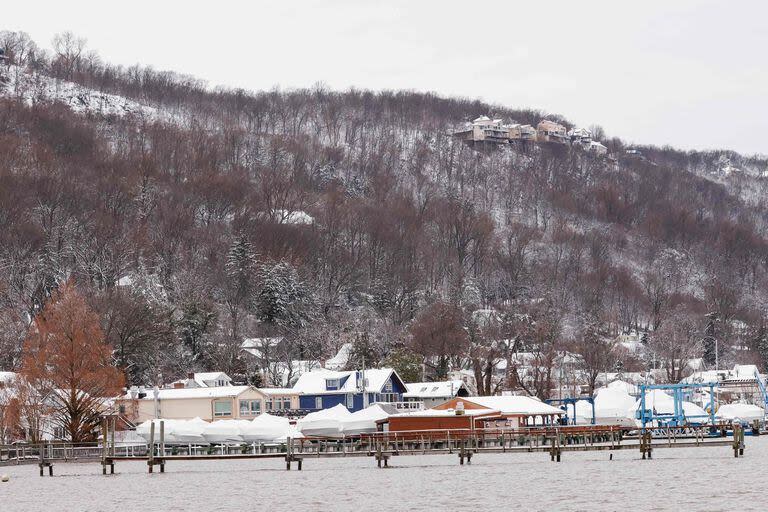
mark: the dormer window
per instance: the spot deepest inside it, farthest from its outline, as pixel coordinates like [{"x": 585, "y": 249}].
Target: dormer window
[{"x": 331, "y": 384}]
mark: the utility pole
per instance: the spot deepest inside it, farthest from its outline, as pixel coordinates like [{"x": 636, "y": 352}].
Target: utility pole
[
  {"x": 365, "y": 394},
  {"x": 717, "y": 356}
]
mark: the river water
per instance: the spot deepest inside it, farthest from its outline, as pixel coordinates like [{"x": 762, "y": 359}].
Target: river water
[{"x": 681, "y": 479}]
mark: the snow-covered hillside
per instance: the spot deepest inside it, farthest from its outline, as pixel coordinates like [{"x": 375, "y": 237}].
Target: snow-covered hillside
[{"x": 33, "y": 88}]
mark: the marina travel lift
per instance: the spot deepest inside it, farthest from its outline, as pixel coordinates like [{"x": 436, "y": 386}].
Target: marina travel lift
[{"x": 678, "y": 417}]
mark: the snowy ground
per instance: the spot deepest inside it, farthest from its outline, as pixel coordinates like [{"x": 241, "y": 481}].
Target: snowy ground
[
  {"x": 708, "y": 479},
  {"x": 34, "y": 87}
]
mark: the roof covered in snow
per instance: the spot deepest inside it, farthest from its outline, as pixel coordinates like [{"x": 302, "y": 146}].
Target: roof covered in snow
[
  {"x": 443, "y": 389},
  {"x": 278, "y": 391},
  {"x": 177, "y": 394},
  {"x": 340, "y": 360},
  {"x": 511, "y": 404},
  {"x": 203, "y": 378},
  {"x": 315, "y": 382}
]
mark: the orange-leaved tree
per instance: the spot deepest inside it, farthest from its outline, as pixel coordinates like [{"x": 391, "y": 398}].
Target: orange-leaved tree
[{"x": 68, "y": 363}]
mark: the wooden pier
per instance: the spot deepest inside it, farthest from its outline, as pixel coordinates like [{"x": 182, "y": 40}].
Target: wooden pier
[
  {"x": 466, "y": 444},
  {"x": 383, "y": 446}
]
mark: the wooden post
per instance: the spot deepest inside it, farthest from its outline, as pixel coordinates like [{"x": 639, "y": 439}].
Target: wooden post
[
  {"x": 112, "y": 437},
  {"x": 288, "y": 447},
  {"x": 738, "y": 440},
  {"x": 104, "y": 446},
  {"x": 151, "y": 456},
  {"x": 162, "y": 438},
  {"x": 741, "y": 442}
]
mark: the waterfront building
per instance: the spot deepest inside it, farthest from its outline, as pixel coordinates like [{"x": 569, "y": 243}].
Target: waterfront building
[{"x": 323, "y": 389}]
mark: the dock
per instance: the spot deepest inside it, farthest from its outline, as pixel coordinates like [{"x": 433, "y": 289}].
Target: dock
[{"x": 381, "y": 447}]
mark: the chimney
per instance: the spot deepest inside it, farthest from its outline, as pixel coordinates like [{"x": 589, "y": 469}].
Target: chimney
[{"x": 191, "y": 375}]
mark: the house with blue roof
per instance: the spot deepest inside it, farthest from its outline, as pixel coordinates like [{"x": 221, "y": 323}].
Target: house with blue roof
[{"x": 323, "y": 389}]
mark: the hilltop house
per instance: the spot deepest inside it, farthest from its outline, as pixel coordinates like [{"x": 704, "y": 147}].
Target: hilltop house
[
  {"x": 580, "y": 135},
  {"x": 522, "y": 132},
  {"x": 596, "y": 148},
  {"x": 323, "y": 389},
  {"x": 550, "y": 131},
  {"x": 484, "y": 129},
  {"x": 434, "y": 393}
]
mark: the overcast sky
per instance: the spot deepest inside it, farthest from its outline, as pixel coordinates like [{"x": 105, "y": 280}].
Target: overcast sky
[{"x": 693, "y": 74}]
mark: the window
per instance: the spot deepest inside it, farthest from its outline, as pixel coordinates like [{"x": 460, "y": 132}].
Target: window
[
  {"x": 250, "y": 407},
  {"x": 331, "y": 384},
  {"x": 269, "y": 404},
  {"x": 286, "y": 403},
  {"x": 222, "y": 408},
  {"x": 388, "y": 386},
  {"x": 350, "y": 401},
  {"x": 318, "y": 402},
  {"x": 121, "y": 408}
]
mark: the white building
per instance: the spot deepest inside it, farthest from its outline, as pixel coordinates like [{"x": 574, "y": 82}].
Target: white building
[
  {"x": 484, "y": 129},
  {"x": 434, "y": 393},
  {"x": 203, "y": 380}
]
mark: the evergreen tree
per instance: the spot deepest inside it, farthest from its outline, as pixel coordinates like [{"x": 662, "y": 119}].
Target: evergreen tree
[
  {"x": 282, "y": 300},
  {"x": 195, "y": 323},
  {"x": 363, "y": 348},
  {"x": 241, "y": 268},
  {"x": 406, "y": 363}
]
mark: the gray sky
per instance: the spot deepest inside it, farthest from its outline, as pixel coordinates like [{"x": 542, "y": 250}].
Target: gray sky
[{"x": 692, "y": 74}]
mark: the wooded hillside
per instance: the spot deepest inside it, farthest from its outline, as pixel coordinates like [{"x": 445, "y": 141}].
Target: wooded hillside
[{"x": 192, "y": 218}]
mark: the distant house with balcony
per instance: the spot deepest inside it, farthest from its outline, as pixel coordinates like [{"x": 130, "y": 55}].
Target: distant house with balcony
[
  {"x": 323, "y": 389},
  {"x": 484, "y": 129},
  {"x": 580, "y": 135},
  {"x": 550, "y": 131},
  {"x": 521, "y": 132}
]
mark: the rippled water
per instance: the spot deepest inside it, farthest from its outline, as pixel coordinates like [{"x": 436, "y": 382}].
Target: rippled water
[{"x": 706, "y": 479}]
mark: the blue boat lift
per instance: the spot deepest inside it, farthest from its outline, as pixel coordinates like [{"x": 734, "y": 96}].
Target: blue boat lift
[{"x": 677, "y": 418}]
